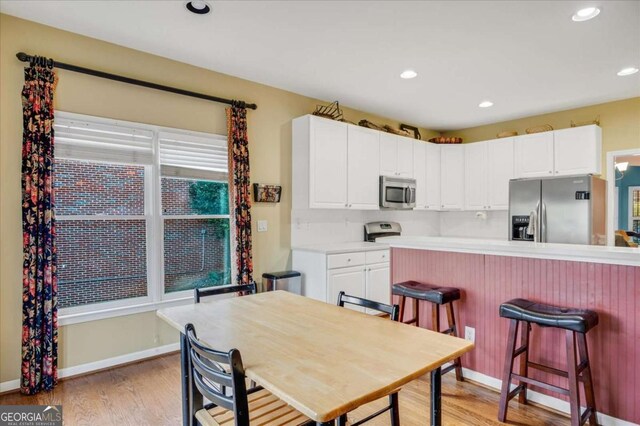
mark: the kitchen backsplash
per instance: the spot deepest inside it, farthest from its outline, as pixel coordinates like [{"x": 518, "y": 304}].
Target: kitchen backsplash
[
  {"x": 337, "y": 226},
  {"x": 468, "y": 225}
]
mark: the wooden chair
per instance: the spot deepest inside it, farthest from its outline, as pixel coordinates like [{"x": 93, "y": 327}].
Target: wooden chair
[
  {"x": 393, "y": 312},
  {"x": 241, "y": 407},
  {"x": 225, "y": 289}
]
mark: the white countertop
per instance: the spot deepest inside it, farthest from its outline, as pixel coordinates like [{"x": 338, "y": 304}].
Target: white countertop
[
  {"x": 572, "y": 252},
  {"x": 332, "y": 248}
]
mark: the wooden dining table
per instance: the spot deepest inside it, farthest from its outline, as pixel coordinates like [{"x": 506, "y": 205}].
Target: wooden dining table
[{"x": 321, "y": 359}]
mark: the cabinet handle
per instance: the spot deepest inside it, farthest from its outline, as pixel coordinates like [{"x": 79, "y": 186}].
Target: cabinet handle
[
  {"x": 384, "y": 255},
  {"x": 550, "y": 171},
  {"x": 346, "y": 205},
  {"x": 348, "y": 260}
]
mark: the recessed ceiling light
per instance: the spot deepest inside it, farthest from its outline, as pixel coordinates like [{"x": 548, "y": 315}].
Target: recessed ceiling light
[
  {"x": 627, "y": 71},
  {"x": 485, "y": 104},
  {"x": 407, "y": 74},
  {"x": 585, "y": 14},
  {"x": 198, "y": 7}
]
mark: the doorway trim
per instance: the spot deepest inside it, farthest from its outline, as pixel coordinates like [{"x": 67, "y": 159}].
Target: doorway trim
[{"x": 611, "y": 190}]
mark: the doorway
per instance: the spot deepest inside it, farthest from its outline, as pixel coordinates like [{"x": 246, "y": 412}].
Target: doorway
[{"x": 623, "y": 194}]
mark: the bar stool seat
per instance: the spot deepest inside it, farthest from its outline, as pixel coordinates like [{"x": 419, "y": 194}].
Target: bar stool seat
[
  {"x": 428, "y": 292},
  {"x": 437, "y": 296},
  {"x": 578, "y": 320}
]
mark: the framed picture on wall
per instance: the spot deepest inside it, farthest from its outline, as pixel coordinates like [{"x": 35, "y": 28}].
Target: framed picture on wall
[{"x": 266, "y": 193}]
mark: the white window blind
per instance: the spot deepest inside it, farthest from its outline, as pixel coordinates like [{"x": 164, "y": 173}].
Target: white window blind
[
  {"x": 88, "y": 140},
  {"x": 187, "y": 155}
]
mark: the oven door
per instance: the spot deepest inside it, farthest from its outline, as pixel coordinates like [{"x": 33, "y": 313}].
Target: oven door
[{"x": 397, "y": 193}]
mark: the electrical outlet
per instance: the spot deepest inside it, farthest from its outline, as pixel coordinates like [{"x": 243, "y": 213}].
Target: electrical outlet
[
  {"x": 262, "y": 226},
  {"x": 470, "y": 334}
]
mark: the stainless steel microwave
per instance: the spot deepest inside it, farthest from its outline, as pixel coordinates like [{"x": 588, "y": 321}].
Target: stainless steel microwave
[{"x": 397, "y": 193}]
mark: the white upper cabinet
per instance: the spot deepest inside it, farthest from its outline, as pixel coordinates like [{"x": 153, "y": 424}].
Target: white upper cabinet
[
  {"x": 405, "y": 157},
  {"x": 476, "y": 178},
  {"x": 328, "y": 170},
  {"x": 500, "y": 170},
  {"x": 452, "y": 177},
  {"x": 432, "y": 195},
  {"x": 573, "y": 151},
  {"x": 578, "y": 150},
  {"x": 420, "y": 173},
  {"x": 534, "y": 155},
  {"x": 396, "y": 155},
  {"x": 362, "y": 173}
]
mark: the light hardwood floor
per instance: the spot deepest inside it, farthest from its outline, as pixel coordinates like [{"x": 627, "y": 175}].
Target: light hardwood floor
[{"x": 148, "y": 393}]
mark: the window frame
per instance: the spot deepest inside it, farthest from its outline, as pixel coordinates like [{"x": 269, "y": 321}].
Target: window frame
[{"x": 154, "y": 236}]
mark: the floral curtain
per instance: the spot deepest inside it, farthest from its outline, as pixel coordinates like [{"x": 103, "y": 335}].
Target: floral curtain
[
  {"x": 39, "y": 281},
  {"x": 239, "y": 194}
]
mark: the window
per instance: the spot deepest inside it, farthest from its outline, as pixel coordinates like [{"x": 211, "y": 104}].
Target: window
[
  {"x": 634, "y": 208},
  {"x": 142, "y": 215}
]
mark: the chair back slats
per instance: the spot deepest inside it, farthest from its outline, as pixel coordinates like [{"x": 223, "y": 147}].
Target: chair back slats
[
  {"x": 391, "y": 310},
  {"x": 213, "y": 372},
  {"x": 225, "y": 289},
  {"x": 212, "y": 393},
  {"x": 213, "y": 381}
]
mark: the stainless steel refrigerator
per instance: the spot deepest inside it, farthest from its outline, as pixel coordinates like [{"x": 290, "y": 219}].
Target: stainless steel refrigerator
[{"x": 568, "y": 209}]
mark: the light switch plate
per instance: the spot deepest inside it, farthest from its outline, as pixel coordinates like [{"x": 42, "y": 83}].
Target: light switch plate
[
  {"x": 470, "y": 334},
  {"x": 262, "y": 226}
]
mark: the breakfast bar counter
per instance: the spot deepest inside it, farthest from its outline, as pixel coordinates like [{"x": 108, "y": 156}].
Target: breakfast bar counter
[{"x": 490, "y": 272}]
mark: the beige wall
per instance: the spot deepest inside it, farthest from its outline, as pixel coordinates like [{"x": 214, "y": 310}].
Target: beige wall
[
  {"x": 270, "y": 147},
  {"x": 620, "y": 122}
]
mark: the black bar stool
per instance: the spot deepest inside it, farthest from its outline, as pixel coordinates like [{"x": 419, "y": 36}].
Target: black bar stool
[
  {"x": 437, "y": 296},
  {"x": 577, "y": 322}
]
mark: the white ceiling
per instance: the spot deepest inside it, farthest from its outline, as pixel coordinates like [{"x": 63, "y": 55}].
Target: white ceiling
[{"x": 528, "y": 57}]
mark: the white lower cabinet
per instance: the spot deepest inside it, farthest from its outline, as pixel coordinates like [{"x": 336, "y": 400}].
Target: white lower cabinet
[
  {"x": 377, "y": 283},
  {"x": 350, "y": 280},
  {"x": 362, "y": 274}
]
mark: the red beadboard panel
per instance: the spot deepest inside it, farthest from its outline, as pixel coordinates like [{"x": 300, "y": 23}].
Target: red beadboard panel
[{"x": 487, "y": 281}]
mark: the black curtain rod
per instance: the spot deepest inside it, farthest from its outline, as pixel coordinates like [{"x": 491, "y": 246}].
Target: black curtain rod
[{"x": 28, "y": 58}]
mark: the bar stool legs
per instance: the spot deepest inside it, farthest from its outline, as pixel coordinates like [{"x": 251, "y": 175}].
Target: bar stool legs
[{"x": 578, "y": 370}]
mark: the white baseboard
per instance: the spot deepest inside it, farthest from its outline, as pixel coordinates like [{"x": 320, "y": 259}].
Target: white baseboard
[
  {"x": 542, "y": 399},
  {"x": 100, "y": 365}
]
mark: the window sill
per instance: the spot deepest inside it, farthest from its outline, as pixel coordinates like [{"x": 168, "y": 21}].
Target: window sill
[{"x": 100, "y": 314}]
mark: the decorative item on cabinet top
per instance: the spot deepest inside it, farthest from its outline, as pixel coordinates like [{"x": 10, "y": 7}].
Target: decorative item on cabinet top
[
  {"x": 595, "y": 121},
  {"x": 407, "y": 128},
  {"x": 369, "y": 125},
  {"x": 539, "y": 129},
  {"x": 266, "y": 193},
  {"x": 331, "y": 111},
  {"x": 446, "y": 140},
  {"x": 507, "y": 134}
]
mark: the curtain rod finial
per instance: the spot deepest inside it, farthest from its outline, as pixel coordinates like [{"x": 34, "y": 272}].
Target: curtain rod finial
[{"x": 23, "y": 57}]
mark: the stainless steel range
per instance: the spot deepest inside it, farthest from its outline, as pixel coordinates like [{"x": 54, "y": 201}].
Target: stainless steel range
[{"x": 373, "y": 230}]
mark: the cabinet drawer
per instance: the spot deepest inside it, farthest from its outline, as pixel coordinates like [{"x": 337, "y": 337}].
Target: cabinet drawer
[
  {"x": 378, "y": 256},
  {"x": 346, "y": 259}
]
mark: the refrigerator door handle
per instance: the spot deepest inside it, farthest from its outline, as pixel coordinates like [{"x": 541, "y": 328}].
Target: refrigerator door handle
[
  {"x": 534, "y": 228},
  {"x": 543, "y": 223}
]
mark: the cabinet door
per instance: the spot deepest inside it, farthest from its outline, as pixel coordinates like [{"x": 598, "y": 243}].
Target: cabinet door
[
  {"x": 379, "y": 283},
  {"x": 405, "y": 157},
  {"x": 388, "y": 154},
  {"x": 534, "y": 155},
  {"x": 475, "y": 169},
  {"x": 362, "y": 168},
  {"x": 499, "y": 173},
  {"x": 328, "y": 164},
  {"x": 452, "y": 177},
  {"x": 349, "y": 280},
  {"x": 578, "y": 150},
  {"x": 420, "y": 174},
  {"x": 432, "y": 196}
]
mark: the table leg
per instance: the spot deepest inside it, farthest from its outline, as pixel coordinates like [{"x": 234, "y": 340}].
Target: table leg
[
  {"x": 184, "y": 371},
  {"x": 329, "y": 423},
  {"x": 436, "y": 395}
]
